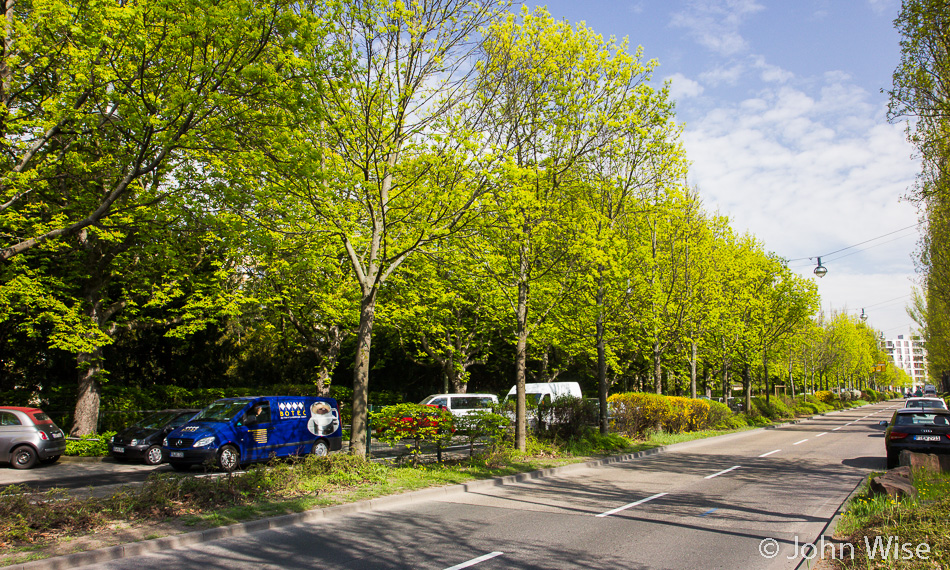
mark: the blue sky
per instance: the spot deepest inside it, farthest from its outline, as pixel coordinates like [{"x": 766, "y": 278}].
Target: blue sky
[{"x": 785, "y": 126}]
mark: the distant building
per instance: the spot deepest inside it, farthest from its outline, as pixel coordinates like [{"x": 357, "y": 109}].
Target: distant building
[{"x": 909, "y": 355}]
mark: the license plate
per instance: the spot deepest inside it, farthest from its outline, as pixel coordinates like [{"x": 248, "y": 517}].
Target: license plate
[
  {"x": 118, "y": 449},
  {"x": 927, "y": 438},
  {"x": 56, "y": 434},
  {"x": 177, "y": 454}
]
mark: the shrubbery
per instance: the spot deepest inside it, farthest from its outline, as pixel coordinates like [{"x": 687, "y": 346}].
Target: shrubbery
[
  {"x": 95, "y": 445},
  {"x": 636, "y": 414}
]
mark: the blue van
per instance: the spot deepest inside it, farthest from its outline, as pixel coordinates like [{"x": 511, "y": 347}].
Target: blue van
[{"x": 233, "y": 431}]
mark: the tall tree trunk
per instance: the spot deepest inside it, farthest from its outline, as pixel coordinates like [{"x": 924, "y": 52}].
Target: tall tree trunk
[
  {"x": 692, "y": 371},
  {"x": 765, "y": 370},
  {"x": 86, "y": 417},
  {"x": 657, "y": 368},
  {"x": 360, "y": 419},
  {"x": 747, "y": 387},
  {"x": 521, "y": 356},
  {"x": 601, "y": 361}
]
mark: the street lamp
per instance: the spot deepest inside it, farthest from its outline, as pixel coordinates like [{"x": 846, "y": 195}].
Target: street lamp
[
  {"x": 821, "y": 269},
  {"x": 864, "y": 316}
]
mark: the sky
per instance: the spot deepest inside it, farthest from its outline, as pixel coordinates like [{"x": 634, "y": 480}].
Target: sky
[{"x": 784, "y": 111}]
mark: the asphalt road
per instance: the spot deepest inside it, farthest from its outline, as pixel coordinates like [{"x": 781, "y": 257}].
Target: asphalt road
[{"x": 748, "y": 500}]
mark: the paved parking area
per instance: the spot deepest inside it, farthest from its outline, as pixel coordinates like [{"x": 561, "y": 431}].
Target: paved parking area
[{"x": 79, "y": 473}]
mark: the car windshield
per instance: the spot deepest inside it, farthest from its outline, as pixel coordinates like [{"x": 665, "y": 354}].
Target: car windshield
[
  {"x": 221, "y": 411},
  {"x": 155, "y": 421},
  {"x": 922, "y": 420}
]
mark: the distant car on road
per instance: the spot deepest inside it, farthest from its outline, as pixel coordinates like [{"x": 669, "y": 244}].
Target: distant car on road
[
  {"x": 921, "y": 430},
  {"x": 925, "y": 403},
  {"x": 27, "y": 435},
  {"x": 930, "y": 390},
  {"x": 143, "y": 440}
]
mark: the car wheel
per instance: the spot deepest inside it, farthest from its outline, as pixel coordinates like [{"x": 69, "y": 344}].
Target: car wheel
[
  {"x": 50, "y": 460},
  {"x": 320, "y": 448},
  {"x": 154, "y": 455},
  {"x": 180, "y": 466},
  {"x": 228, "y": 458},
  {"x": 892, "y": 459},
  {"x": 24, "y": 457}
]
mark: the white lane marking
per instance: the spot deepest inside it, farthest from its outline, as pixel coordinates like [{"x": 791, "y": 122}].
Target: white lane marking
[
  {"x": 475, "y": 561},
  {"x": 625, "y": 507},
  {"x": 721, "y": 472},
  {"x": 822, "y": 433},
  {"x": 770, "y": 453},
  {"x": 802, "y": 441},
  {"x": 837, "y": 428}
]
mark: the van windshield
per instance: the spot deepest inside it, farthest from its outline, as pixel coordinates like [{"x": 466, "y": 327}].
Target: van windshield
[{"x": 220, "y": 411}]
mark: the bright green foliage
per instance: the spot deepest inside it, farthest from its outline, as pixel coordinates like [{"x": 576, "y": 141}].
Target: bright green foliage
[{"x": 482, "y": 424}]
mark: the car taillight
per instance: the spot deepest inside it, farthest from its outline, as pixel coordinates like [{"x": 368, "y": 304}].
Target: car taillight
[
  {"x": 43, "y": 436},
  {"x": 897, "y": 435}
]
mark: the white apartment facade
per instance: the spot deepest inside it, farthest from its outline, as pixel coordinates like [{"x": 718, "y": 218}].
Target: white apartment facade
[{"x": 909, "y": 355}]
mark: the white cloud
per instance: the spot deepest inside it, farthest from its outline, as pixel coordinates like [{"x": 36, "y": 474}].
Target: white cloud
[
  {"x": 810, "y": 171},
  {"x": 771, "y": 73},
  {"x": 682, "y": 87},
  {"x": 723, "y": 75},
  {"x": 715, "y": 24}
]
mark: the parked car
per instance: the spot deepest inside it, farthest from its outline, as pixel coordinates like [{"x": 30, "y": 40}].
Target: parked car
[
  {"x": 233, "y": 431},
  {"x": 461, "y": 404},
  {"x": 143, "y": 440},
  {"x": 922, "y": 430},
  {"x": 925, "y": 403},
  {"x": 27, "y": 435}
]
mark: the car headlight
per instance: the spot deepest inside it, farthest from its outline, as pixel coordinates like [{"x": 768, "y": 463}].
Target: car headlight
[
  {"x": 165, "y": 442},
  {"x": 112, "y": 439},
  {"x": 134, "y": 442},
  {"x": 205, "y": 441}
]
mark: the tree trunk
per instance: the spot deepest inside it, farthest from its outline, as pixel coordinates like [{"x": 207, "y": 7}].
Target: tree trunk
[
  {"x": 521, "y": 434},
  {"x": 360, "y": 420},
  {"x": 747, "y": 387},
  {"x": 657, "y": 368},
  {"x": 86, "y": 417},
  {"x": 692, "y": 371},
  {"x": 601, "y": 363},
  {"x": 765, "y": 370}
]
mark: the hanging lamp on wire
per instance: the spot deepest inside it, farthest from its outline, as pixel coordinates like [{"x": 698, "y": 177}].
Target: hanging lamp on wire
[{"x": 821, "y": 270}]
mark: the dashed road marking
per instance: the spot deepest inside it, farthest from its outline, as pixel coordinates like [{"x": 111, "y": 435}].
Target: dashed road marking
[{"x": 625, "y": 507}]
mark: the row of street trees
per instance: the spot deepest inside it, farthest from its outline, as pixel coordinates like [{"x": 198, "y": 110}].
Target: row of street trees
[
  {"x": 291, "y": 179},
  {"x": 920, "y": 95}
]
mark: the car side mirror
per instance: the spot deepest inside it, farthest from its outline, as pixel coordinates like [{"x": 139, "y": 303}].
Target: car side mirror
[{"x": 882, "y": 423}]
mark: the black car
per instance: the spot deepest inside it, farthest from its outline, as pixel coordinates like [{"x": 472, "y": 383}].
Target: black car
[
  {"x": 921, "y": 430},
  {"x": 143, "y": 440}
]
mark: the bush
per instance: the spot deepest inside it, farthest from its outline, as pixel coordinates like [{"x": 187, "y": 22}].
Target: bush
[
  {"x": 825, "y": 397},
  {"x": 636, "y": 413},
  {"x": 414, "y": 422},
  {"x": 94, "y": 445},
  {"x": 720, "y": 415},
  {"x": 732, "y": 422},
  {"x": 566, "y": 417},
  {"x": 774, "y": 409},
  {"x": 481, "y": 423}
]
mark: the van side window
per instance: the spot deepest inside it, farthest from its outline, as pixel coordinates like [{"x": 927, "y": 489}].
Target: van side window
[{"x": 258, "y": 414}]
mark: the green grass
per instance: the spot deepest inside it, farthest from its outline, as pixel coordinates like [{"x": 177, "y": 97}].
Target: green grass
[{"x": 914, "y": 521}]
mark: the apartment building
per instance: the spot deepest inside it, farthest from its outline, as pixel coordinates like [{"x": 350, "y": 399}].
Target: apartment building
[{"x": 909, "y": 355}]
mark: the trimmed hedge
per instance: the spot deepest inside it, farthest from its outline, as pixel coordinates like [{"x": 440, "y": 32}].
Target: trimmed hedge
[{"x": 636, "y": 414}]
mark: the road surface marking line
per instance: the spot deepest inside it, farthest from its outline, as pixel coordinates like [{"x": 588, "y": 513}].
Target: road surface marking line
[
  {"x": 710, "y": 511},
  {"x": 802, "y": 441},
  {"x": 837, "y": 428},
  {"x": 770, "y": 453},
  {"x": 625, "y": 507},
  {"x": 822, "y": 433},
  {"x": 475, "y": 561},
  {"x": 721, "y": 472}
]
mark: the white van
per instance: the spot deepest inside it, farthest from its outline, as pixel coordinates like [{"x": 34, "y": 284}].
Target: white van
[
  {"x": 546, "y": 392},
  {"x": 461, "y": 404}
]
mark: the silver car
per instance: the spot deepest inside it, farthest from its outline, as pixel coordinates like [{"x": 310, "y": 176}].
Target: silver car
[{"x": 27, "y": 435}]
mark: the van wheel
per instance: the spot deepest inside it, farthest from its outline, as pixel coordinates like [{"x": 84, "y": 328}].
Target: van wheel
[
  {"x": 24, "y": 457},
  {"x": 320, "y": 448},
  {"x": 228, "y": 458}
]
